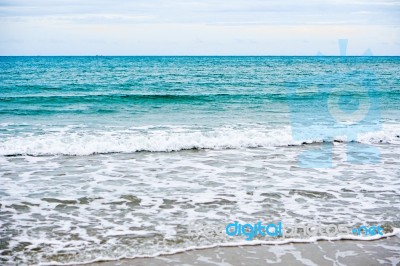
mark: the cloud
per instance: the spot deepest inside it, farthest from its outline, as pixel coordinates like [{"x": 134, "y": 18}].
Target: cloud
[
  {"x": 175, "y": 27},
  {"x": 285, "y": 12}
]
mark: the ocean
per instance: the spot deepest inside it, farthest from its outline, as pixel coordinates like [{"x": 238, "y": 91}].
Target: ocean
[{"x": 103, "y": 158}]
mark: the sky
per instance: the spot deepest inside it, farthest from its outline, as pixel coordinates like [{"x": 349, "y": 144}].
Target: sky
[{"x": 198, "y": 27}]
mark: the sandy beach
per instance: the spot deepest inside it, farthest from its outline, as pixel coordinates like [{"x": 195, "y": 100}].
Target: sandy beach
[{"x": 384, "y": 251}]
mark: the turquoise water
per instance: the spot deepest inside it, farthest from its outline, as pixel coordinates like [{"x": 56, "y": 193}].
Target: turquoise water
[
  {"x": 39, "y": 94},
  {"x": 179, "y": 90},
  {"x": 110, "y": 157}
]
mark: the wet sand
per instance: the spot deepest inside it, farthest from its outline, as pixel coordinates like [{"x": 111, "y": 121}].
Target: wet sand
[{"x": 384, "y": 251}]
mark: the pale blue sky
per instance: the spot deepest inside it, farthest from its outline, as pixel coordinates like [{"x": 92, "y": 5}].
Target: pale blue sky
[{"x": 194, "y": 27}]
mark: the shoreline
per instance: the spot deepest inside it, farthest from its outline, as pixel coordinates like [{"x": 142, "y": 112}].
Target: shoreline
[{"x": 379, "y": 251}]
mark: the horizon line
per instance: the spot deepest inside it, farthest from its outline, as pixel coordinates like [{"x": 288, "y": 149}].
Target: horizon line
[{"x": 199, "y": 55}]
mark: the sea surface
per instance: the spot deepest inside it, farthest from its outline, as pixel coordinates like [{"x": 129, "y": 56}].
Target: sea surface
[{"x": 104, "y": 158}]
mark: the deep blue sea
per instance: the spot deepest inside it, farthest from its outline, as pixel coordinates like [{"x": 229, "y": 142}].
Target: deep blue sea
[{"x": 114, "y": 157}]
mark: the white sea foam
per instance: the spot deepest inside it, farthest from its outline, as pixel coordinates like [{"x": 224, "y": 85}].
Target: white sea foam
[
  {"x": 69, "y": 141},
  {"x": 79, "y": 209},
  {"x": 396, "y": 231}
]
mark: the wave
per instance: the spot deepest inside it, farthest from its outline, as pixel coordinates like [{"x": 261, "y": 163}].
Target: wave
[
  {"x": 112, "y": 95},
  {"x": 72, "y": 141},
  {"x": 74, "y": 97},
  {"x": 396, "y": 231},
  {"x": 130, "y": 97}
]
